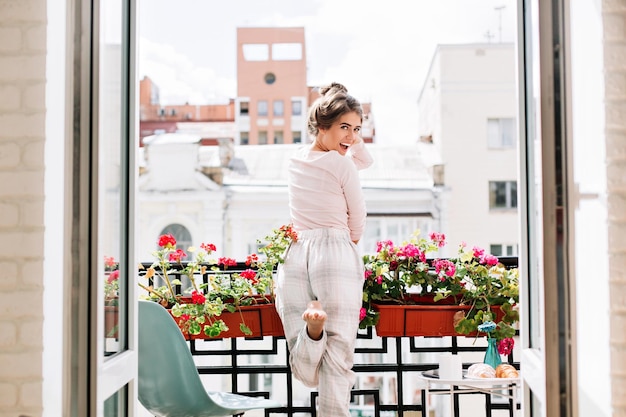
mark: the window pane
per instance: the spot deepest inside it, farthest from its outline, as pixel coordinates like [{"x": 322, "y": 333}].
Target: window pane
[
  {"x": 278, "y": 137},
  {"x": 297, "y": 137},
  {"x": 243, "y": 107},
  {"x": 278, "y": 107},
  {"x": 261, "y": 108},
  {"x": 256, "y": 52},
  {"x": 296, "y": 108},
  {"x": 262, "y": 137},
  {"x": 497, "y": 194},
  {"x": 286, "y": 52},
  {"x": 244, "y": 138}
]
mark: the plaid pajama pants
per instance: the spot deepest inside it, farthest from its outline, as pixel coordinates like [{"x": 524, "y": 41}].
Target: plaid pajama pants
[{"x": 322, "y": 265}]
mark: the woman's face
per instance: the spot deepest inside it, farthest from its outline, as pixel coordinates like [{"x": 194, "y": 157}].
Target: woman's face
[{"x": 341, "y": 135}]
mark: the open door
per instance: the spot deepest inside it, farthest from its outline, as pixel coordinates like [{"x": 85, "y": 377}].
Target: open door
[{"x": 101, "y": 151}]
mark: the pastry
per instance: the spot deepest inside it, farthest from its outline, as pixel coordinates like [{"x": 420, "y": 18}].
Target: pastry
[
  {"x": 506, "y": 370},
  {"x": 481, "y": 370}
]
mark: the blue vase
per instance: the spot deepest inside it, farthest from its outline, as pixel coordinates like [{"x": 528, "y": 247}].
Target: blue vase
[{"x": 492, "y": 357}]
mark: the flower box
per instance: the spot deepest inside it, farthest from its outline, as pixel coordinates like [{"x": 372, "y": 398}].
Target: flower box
[{"x": 420, "y": 320}]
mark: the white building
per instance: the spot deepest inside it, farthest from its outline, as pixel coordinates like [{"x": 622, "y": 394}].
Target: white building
[
  {"x": 233, "y": 195},
  {"x": 467, "y": 109}
]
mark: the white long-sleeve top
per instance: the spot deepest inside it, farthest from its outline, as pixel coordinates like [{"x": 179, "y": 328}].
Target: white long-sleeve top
[{"x": 325, "y": 190}]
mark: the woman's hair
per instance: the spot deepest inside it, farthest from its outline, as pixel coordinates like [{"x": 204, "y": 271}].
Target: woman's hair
[{"x": 334, "y": 101}]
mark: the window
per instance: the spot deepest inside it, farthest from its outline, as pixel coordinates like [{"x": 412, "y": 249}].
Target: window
[
  {"x": 269, "y": 78},
  {"x": 501, "y": 133},
  {"x": 244, "y": 108},
  {"x": 262, "y": 137},
  {"x": 502, "y": 194},
  {"x": 261, "y": 108},
  {"x": 297, "y": 136},
  {"x": 503, "y": 249},
  {"x": 286, "y": 51},
  {"x": 278, "y": 137},
  {"x": 244, "y": 138},
  {"x": 256, "y": 52},
  {"x": 296, "y": 108},
  {"x": 279, "y": 108}
]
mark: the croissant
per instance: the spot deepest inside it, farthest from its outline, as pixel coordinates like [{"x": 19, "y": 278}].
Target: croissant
[
  {"x": 481, "y": 370},
  {"x": 506, "y": 370}
]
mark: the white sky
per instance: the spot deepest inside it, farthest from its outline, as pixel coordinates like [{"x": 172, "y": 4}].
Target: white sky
[{"x": 380, "y": 50}]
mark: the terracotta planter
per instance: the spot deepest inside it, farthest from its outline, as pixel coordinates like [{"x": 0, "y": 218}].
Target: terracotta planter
[
  {"x": 420, "y": 320},
  {"x": 262, "y": 319},
  {"x": 111, "y": 321}
]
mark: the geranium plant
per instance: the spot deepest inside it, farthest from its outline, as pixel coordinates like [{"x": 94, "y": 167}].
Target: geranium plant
[
  {"x": 405, "y": 274},
  {"x": 213, "y": 289},
  {"x": 396, "y": 273},
  {"x": 111, "y": 281},
  {"x": 488, "y": 283}
]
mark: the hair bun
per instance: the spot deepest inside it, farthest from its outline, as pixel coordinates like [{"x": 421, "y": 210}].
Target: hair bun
[{"x": 333, "y": 88}]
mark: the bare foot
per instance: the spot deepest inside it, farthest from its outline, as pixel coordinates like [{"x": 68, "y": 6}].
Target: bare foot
[{"x": 315, "y": 318}]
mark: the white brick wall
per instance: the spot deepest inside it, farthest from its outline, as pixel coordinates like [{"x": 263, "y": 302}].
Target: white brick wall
[
  {"x": 614, "y": 16},
  {"x": 22, "y": 115}
]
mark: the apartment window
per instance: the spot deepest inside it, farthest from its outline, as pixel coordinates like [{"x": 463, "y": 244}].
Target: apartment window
[
  {"x": 262, "y": 137},
  {"x": 296, "y": 108},
  {"x": 279, "y": 108},
  {"x": 297, "y": 136},
  {"x": 261, "y": 108},
  {"x": 278, "y": 137},
  {"x": 499, "y": 249},
  {"x": 286, "y": 51},
  {"x": 244, "y": 107},
  {"x": 244, "y": 138},
  {"x": 256, "y": 52},
  {"x": 501, "y": 133},
  {"x": 502, "y": 194}
]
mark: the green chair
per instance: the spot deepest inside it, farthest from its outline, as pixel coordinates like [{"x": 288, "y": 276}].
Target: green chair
[{"x": 169, "y": 383}]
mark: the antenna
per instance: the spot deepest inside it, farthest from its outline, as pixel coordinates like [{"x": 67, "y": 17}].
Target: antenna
[{"x": 499, "y": 9}]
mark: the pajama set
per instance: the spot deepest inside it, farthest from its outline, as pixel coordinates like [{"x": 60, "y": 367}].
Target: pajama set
[{"x": 328, "y": 213}]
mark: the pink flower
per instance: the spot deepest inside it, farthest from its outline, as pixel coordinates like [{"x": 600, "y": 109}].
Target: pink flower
[
  {"x": 384, "y": 244},
  {"x": 490, "y": 260},
  {"x": 113, "y": 276},
  {"x": 177, "y": 256},
  {"x": 445, "y": 267},
  {"x": 109, "y": 261},
  {"x": 379, "y": 280},
  {"x": 478, "y": 252},
  {"x": 505, "y": 346},
  {"x": 362, "y": 313},
  {"x": 438, "y": 238},
  {"x": 368, "y": 273}
]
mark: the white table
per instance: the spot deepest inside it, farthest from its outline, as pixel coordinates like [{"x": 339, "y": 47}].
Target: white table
[{"x": 502, "y": 387}]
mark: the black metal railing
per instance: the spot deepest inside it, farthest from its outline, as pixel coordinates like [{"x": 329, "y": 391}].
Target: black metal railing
[{"x": 397, "y": 358}]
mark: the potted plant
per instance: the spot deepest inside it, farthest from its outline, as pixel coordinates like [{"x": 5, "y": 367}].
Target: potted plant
[
  {"x": 222, "y": 298},
  {"x": 111, "y": 300},
  {"x": 406, "y": 293}
]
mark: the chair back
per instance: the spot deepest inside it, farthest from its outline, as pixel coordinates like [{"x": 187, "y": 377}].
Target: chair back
[{"x": 168, "y": 378}]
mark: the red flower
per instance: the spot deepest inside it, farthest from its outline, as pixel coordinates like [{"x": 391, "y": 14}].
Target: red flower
[
  {"x": 177, "y": 256},
  {"x": 505, "y": 346},
  {"x": 252, "y": 259},
  {"x": 227, "y": 262},
  {"x": 197, "y": 297},
  {"x": 167, "y": 241},
  {"x": 208, "y": 247},
  {"x": 250, "y": 275}
]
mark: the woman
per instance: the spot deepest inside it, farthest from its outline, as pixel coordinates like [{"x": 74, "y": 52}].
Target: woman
[{"x": 319, "y": 287}]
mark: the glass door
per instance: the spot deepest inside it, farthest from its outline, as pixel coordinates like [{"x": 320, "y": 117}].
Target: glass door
[
  {"x": 101, "y": 197},
  {"x": 547, "y": 317}
]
